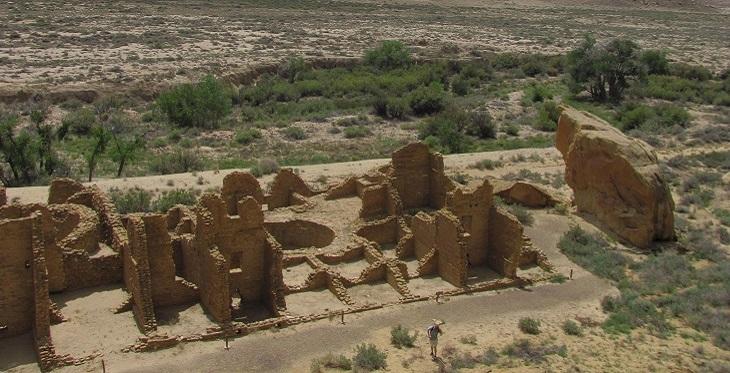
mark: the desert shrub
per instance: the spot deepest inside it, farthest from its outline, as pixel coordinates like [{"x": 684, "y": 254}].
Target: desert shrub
[
  {"x": 534, "y": 65},
  {"x": 356, "y": 132},
  {"x": 489, "y": 357},
  {"x": 178, "y": 161},
  {"x": 264, "y": 166},
  {"x": 359, "y": 120},
  {"x": 533, "y": 353},
  {"x": 293, "y": 68},
  {"x": 247, "y": 136},
  {"x": 537, "y": 93},
  {"x": 462, "y": 360},
  {"x": 605, "y": 70},
  {"x": 522, "y": 214},
  {"x": 511, "y": 129},
  {"x": 469, "y": 339},
  {"x": 426, "y": 100},
  {"x": 629, "y": 311},
  {"x": 170, "y": 199},
  {"x": 369, "y": 357},
  {"x": 131, "y": 200},
  {"x": 692, "y": 72},
  {"x": 294, "y": 133},
  {"x": 444, "y": 133},
  {"x": 202, "y": 104},
  {"x": 529, "y": 325},
  {"x": 390, "y": 107},
  {"x": 79, "y": 122},
  {"x": 391, "y": 54},
  {"x": 331, "y": 361},
  {"x": 460, "y": 86},
  {"x": 664, "y": 273},
  {"x": 481, "y": 125},
  {"x": 723, "y": 215},
  {"x": 400, "y": 337},
  {"x": 570, "y": 327},
  {"x": 655, "y": 61},
  {"x": 487, "y": 164},
  {"x": 594, "y": 254},
  {"x": 547, "y": 116}
]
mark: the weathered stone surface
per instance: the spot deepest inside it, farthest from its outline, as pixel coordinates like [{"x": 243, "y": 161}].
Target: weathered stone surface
[
  {"x": 3, "y": 196},
  {"x": 525, "y": 194},
  {"x": 63, "y": 188},
  {"x": 615, "y": 178}
]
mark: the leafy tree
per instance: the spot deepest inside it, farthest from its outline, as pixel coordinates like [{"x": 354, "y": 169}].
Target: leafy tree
[
  {"x": 124, "y": 147},
  {"x": 100, "y": 137},
  {"x": 604, "y": 70},
  {"x": 18, "y": 151},
  {"x": 391, "y": 54}
]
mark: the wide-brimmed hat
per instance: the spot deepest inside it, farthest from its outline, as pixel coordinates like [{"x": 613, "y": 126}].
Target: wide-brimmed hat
[{"x": 438, "y": 322}]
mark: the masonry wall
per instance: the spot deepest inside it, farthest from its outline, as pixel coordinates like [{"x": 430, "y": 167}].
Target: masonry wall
[
  {"x": 505, "y": 242},
  {"x": 166, "y": 289},
  {"x": 411, "y": 175},
  {"x": 213, "y": 269},
  {"x": 16, "y": 276},
  {"x": 423, "y": 227},
  {"x": 42, "y": 303},
  {"x": 137, "y": 277},
  {"x": 374, "y": 201},
  {"x": 472, "y": 209},
  {"x": 238, "y": 185},
  {"x": 285, "y": 184},
  {"x": 451, "y": 249}
]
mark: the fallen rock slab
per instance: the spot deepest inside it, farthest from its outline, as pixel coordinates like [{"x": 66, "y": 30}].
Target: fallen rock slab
[{"x": 615, "y": 178}]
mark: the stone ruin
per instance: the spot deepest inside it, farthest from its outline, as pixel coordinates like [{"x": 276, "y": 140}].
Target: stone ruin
[{"x": 403, "y": 232}]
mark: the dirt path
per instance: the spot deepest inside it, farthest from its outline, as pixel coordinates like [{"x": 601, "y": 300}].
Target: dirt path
[{"x": 291, "y": 350}]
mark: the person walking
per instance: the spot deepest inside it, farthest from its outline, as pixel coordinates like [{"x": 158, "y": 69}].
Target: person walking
[{"x": 433, "y": 332}]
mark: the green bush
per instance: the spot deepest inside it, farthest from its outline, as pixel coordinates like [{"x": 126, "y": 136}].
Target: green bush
[
  {"x": 652, "y": 119},
  {"x": 537, "y": 93},
  {"x": 427, "y": 99},
  {"x": 692, "y": 72},
  {"x": 489, "y": 357},
  {"x": 460, "y": 86},
  {"x": 247, "y": 136},
  {"x": 629, "y": 311},
  {"x": 390, "y": 107},
  {"x": 529, "y": 325},
  {"x": 594, "y": 254},
  {"x": 202, "y": 104},
  {"x": 391, "y": 54},
  {"x": 357, "y": 132},
  {"x": 570, "y": 327},
  {"x": 170, "y": 199},
  {"x": 547, "y": 116},
  {"x": 178, "y": 161},
  {"x": 79, "y": 122},
  {"x": 469, "y": 339},
  {"x": 294, "y": 133},
  {"x": 293, "y": 69},
  {"x": 723, "y": 215},
  {"x": 131, "y": 200},
  {"x": 487, "y": 164},
  {"x": 368, "y": 357},
  {"x": 401, "y": 337},
  {"x": 480, "y": 125},
  {"x": 445, "y": 133},
  {"x": 655, "y": 61}
]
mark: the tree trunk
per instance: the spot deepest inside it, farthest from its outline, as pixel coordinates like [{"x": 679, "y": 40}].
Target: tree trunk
[{"x": 121, "y": 167}]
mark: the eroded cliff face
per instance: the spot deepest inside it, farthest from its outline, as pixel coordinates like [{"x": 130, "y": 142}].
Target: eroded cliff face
[{"x": 615, "y": 178}]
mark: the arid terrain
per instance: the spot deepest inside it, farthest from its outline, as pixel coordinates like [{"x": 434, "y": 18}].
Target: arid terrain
[{"x": 267, "y": 143}]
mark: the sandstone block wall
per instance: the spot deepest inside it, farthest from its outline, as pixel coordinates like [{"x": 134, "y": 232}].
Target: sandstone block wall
[
  {"x": 525, "y": 194},
  {"x": 285, "y": 184},
  {"x": 472, "y": 209},
  {"x": 238, "y": 185},
  {"x": 62, "y": 189},
  {"x": 451, "y": 249},
  {"x": 411, "y": 175},
  {"x": 137, "y": 277},
  {"x": 505, "y": 242},
  {"x": 16, "y": 276}
]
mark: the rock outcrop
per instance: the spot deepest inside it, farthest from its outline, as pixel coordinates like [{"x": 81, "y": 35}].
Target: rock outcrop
[
  {"x": 3, "y": 196},
  {"x": 523, "y": 193},
  {"x": 615, "y": 178}
]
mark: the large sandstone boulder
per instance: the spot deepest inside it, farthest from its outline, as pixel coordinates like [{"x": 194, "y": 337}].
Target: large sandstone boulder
[
  {"x": 615, "y": 178},
  {"x": 524, "y": 193}
]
